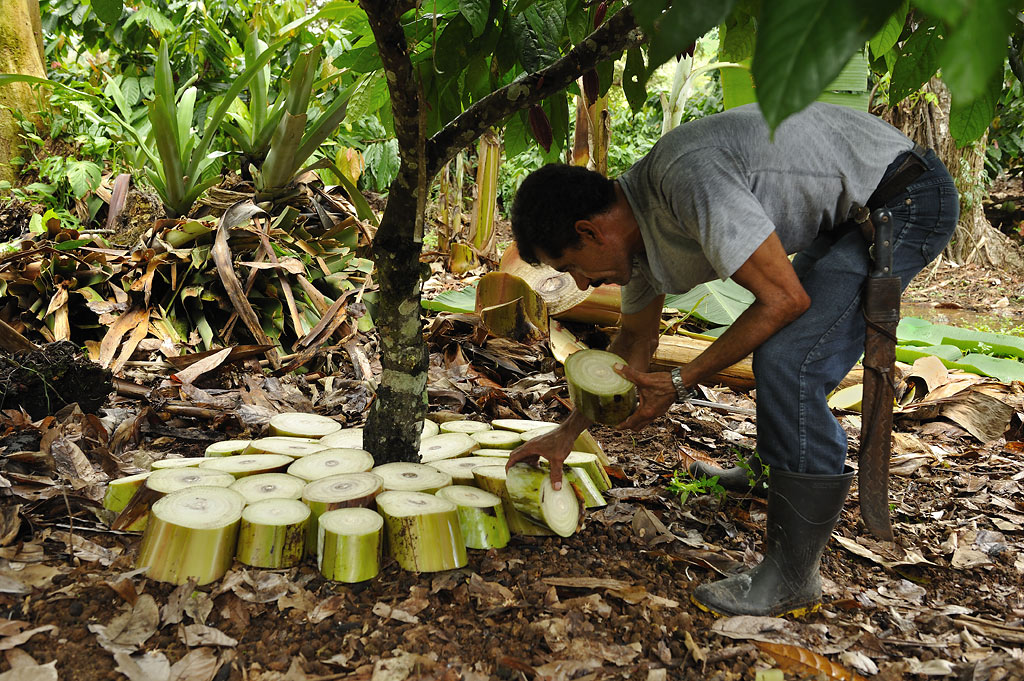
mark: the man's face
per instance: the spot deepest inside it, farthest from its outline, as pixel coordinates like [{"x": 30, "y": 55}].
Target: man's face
[{"x": 593, "y": 262}]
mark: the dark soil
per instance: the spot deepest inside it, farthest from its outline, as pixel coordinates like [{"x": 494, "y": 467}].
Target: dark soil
[{"x": 44, "y": 381}]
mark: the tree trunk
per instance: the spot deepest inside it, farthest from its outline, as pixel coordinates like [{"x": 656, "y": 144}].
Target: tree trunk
[
  {"x": 21, "y": 51},
  {"x": 927, "y": 123}
]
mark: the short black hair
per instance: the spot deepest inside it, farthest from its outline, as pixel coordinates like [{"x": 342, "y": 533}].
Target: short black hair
[{"x": 550, "y": 201}]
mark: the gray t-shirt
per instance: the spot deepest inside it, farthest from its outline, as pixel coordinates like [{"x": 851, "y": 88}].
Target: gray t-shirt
[{"x": 712, "y": 190}]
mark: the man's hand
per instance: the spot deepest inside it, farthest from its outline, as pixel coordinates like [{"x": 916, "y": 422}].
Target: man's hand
[
  {"x": 655, "y": 393},
  {"x": 554, "y": 446}
]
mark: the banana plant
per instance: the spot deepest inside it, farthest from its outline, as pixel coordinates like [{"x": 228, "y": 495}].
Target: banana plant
[{"x": 178, "y": 160}]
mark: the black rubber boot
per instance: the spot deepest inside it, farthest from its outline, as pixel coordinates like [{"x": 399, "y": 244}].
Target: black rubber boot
[
  {"x": 802, "y": 510},
  {"x": 736, "y": 479}
]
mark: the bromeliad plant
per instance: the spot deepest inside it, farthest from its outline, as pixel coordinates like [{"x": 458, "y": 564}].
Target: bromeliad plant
[
  {"x": 179, "y": 161},
  {"x": 295, "y": 138}
]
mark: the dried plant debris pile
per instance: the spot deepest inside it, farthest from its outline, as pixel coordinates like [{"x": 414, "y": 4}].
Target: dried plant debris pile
[
  {"x": 194, "y": 284},
  {"x": 272, "y": 501}
]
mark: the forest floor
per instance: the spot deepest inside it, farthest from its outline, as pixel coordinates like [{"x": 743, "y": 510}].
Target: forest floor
[{"x": 610, "y": 602}]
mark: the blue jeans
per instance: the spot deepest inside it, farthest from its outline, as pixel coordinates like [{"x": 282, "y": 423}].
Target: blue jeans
[{"x": 800, "y": 365}]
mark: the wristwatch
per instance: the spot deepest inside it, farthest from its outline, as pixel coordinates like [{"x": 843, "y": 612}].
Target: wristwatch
[{"x": 683, "y": 393}]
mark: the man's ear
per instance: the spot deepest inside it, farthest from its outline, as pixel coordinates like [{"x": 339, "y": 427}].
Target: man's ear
[{"x": 589, "y": 231}]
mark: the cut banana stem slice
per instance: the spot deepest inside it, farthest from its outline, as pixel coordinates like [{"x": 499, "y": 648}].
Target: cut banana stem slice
[
  {"x": 269, "y": 486},
  {"x": 481, "y": 516},
  {"x": 446, "y": 446},
  {"x": 464, "y": 426},
  {"x": 584, "y": 484},
  {"x": 596, "y": 390},
  {"x": 429, "y": 429},
  {"x": 192, "y": 533},
  {"x": 520, "y": 425},
  {"x": 272, "y": 533},
  {"x": 349, "y": 544},
  {"x": 119, "y": 492},
  {"x": 529, "y": 488},
  {"x": 133, "y": 517},
  {"x": 288, "y": 446},
  {"x": 493, "y": 453},
  {"x": 298, "y": 424},
  {"x": 335, "y": 461},
  {"x": 227, "y": 447},
  {"x": 591, "y": 465},
  {"x": 461, "y": 469},
  {"x": 177, "y": 462},
  {"x": 412, "y": 477},
  {"x": 248, "y": 464},
  {"x": 423, "y": 531},
  {"x": 337, "y": 491},
  {"x": 492, "y": 479},
  {"x": 346, "y": 438},
  {"x": 497, "y": 439}
]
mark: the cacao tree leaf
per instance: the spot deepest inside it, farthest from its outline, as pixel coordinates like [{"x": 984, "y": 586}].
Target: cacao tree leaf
[
  {"x": 969, "y": 121},
  {"x": 681, "y": 25},
  {"x": 918, "y": 61},
  {"x": 949, "y": 11},
  {"x": 889, "y": 34},
  {"x": 108, "y": 11},
  {"x": 476, "y": 12},
  {"x": 976, "y": 48},
  {"x": 634, "y": 79},
  {"x": 802, "y": 45}
]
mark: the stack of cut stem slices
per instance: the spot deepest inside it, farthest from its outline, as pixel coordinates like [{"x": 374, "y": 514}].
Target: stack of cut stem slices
[{"x": 308, "y": 491}]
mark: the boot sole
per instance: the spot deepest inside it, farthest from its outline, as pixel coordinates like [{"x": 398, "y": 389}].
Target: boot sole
[{"x": 800, "y": 611}]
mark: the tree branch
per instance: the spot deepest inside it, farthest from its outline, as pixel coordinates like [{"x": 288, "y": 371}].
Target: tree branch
[{"x": 620, "y": 32}]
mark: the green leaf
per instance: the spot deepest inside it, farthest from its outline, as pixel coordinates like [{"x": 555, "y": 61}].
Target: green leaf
[
  {"x": 738, "y": 37},
  {"x": 463, "y": 300},
  {"x": 681, "y": 25},
  {"x": 83, "y": 176},
  {"x": 802, "y": 45},
  {"x": 634, "y": 79},
  {"x": 917, "y": 63},
  {"x": 1002, "y": 369},
  {"x": 949, "y": 11},
  {"x": 108, "y": 11},
  {"x": 716, "y": 302},
  {"x": 476, "y": 13},
  {"x": 889, "y": 34},
  {"x": 515, "y": 137},
  {"x": 968, "y": 122},
  {"x": 976, "y": 48}
]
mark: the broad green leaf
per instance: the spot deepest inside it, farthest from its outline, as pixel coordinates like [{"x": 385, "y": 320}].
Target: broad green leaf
[
  {"x": 463, "y": 300},
  {"x": 451, "y": 53},
  {"x": 108, "y": 11},
  {"x": 738, "y": 35},
  {"x": 515, "y": 137},
  {"x": 83, "y": 176},
  {"x": 968, "y": 122},
  {"x": 716, "y": 302},
  {"x": 634, "y": 79},
  {"x": 887, "y": 36},
  {"x": 802, "y": 45},
  {"x": 909, "y": 354},
  {"x": 476, "y": 13},
  {"x": 918, "y": 61},
  {"x": 976, "y": 48},
  {"x": 681, "y": 25},
  {"x": 949, "y": 11},
  {"x": 1002, "y": 369}
]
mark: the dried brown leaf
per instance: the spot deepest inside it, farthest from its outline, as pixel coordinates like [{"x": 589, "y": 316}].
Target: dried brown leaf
[
  {"x": 148, "y": 666},
  {"x": 43, "y": 672},
  {"x": 195, "y": 635},
  {"x": 200, "y": 664},
  {"x": 14, "y": 641},
  {"x": 802, "y": 661},
  {"x": 130, "y": 629}
]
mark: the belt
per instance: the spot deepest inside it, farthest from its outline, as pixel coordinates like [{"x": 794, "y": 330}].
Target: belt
[{"x": 892, "y": 186}]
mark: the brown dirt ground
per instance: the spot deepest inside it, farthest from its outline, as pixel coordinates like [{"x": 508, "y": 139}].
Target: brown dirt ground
[{"x": 528, "y": 611}]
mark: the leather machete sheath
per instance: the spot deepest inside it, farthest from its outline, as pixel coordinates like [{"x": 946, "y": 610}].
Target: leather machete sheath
[{"x": 882, "y": 314}]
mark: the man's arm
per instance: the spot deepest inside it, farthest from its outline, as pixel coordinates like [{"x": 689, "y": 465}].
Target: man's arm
[
  {"x": 636, "y": 342},
  {"x": 779, "y": 298}
]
